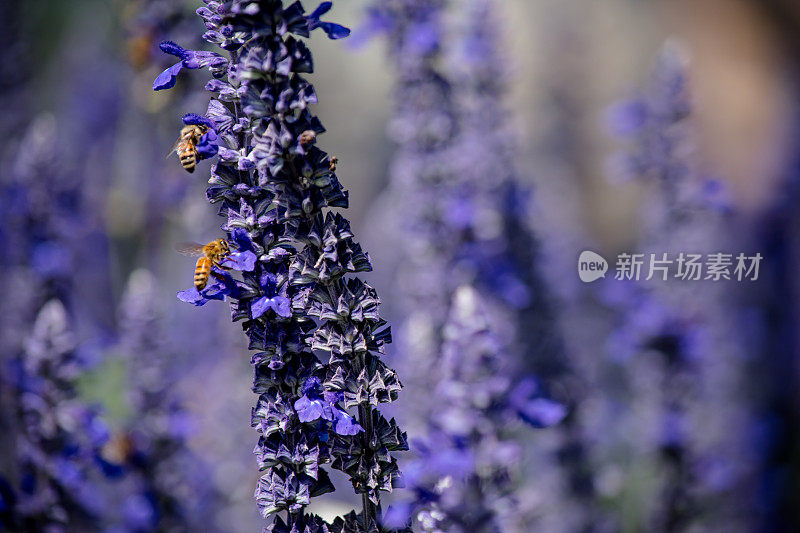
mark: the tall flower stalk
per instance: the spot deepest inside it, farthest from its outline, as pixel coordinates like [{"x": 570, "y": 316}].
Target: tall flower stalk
[
  {"x": 163, "y": 484},
  {"x": 676, "y": 338},
  {"x": 502, "y": 253},
  {"x": 295, "y": 298},
  {"x": 58, "y": 436},
  {"x": 424, "y": 127},
  {"x": 466, "y": 472},
  {"x": 54, "y": 437},
  {"x": 472, "y": 289}
]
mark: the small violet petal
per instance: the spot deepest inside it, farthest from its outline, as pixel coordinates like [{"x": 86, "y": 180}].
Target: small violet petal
[
  {"x": 242, "y": 261},
  {"x": 345, "y": 424},
  {"x": 323, "y": 8},
  {"x": 198, "y": 120},
  {"x": 542, "y": 413},
  {"x": 334, "y": 31},
  {"x": 282, "y": 306},
  {"x": 167, "y": 79},
  {"x": 308, "y": 410},
  {"x": 192, "y": 296},
  {"x": 174, "y": 49},
  {"x": 206, "y": 148}
]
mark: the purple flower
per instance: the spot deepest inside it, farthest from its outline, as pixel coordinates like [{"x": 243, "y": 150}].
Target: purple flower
[
  {"x": 242, "y": 239},
  {"x": 189, "y": 59},
  {"x": 208, "y": 145},
  {"x": 473, "y": 301},
  {"x": 540, "y": 412},
  {"x": 313, "y": 406},
  {"x": 683, "y": 336},
  {"x": 334, "y": 31},
  {"x": 243, "y": 261},
  {"x": 198, "y": 120},
  {"x": 294, "y": 293},
  {"x": 279, "y": 303},
  {"x": 58, "y": 436},
  {"x": 222, "y": 285}
]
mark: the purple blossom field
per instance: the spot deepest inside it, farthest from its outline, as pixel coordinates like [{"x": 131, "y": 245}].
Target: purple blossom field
[{"x": 431, "y": 266}]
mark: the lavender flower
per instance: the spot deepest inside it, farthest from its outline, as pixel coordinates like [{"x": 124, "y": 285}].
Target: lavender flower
[
  {"x": 471, "y": 258},
  {"x": 424, "y": 126},
  {"x": 500, "y": 252},
  {"x": 53, "y": 437},
  {"x": 273, "y": 185},
  {"x": 687, "y": 364},
  {"x": 51, "y": 464},
  {"x": 189, "y": 59},
  {"x": 58, "y": 437},
  {"x": 161, "y": 480},
  {"x": 467, "y": 468}
]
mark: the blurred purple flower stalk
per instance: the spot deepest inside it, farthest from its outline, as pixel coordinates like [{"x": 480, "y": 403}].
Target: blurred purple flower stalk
[
  {"x": 51, "y": 438},
  {"x": 467, "y": 468},
  {"x": 163, "y": 483},
  {"x": 683, "y": 356},
  {"x": 460, "y": 218},
  {"x": 423, "y": 127},
  {"x": 500, "y": 254},
  {"x": 58, "y": 437},
  {"x": 273, "y": 186}
]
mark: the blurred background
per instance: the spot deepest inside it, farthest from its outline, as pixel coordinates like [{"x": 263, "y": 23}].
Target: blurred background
[{"x": 92, "y": 210}]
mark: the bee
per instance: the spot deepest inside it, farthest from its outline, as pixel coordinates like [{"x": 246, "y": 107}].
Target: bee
[
  {"x": 332, "y": 164},
  {"x": 186, "y": 145},
  {"x": 211, "y": 255}
]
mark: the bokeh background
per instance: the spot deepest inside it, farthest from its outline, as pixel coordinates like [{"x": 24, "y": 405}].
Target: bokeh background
[{"x": 79, "y": 115}]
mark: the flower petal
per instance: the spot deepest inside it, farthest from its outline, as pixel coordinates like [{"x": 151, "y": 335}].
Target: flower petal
[
  {"x": 172, "y": 48},
  {"x": 206, "y": 147},
  {"x": 282, "y": 306},
  {"x": 542, "y": 413},
  {"x": 334, "y": 31},
  {"x": 259, "y": 307},
  {"x": 198, "y": 120},
  {"x": 193, "y": 297},
  {"x": 241, "y": 261},
  {"x": 323, "y": 8},
  {"x": 308, "y": 410},
  {"x": 242, "y": 239},
  {"x": 167, "y": 79},
  {"x": 344, "y": 424},
  {"x": 223, "y": 285}
]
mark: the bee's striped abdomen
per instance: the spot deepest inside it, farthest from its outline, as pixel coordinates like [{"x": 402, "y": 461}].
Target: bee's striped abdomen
[
  {"x": 188, "y": 155},
  {"x": 201, "y": 273}
]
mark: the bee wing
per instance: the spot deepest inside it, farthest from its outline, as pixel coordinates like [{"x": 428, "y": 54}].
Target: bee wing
[
  {"x": 174, "y": 148},
  {"x": 189, "y": 248}
]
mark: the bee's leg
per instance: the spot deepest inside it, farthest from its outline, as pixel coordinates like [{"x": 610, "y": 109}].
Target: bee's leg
[
  {"x": 219, "y": 265},
  {"x": 218, "y": 275}
]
